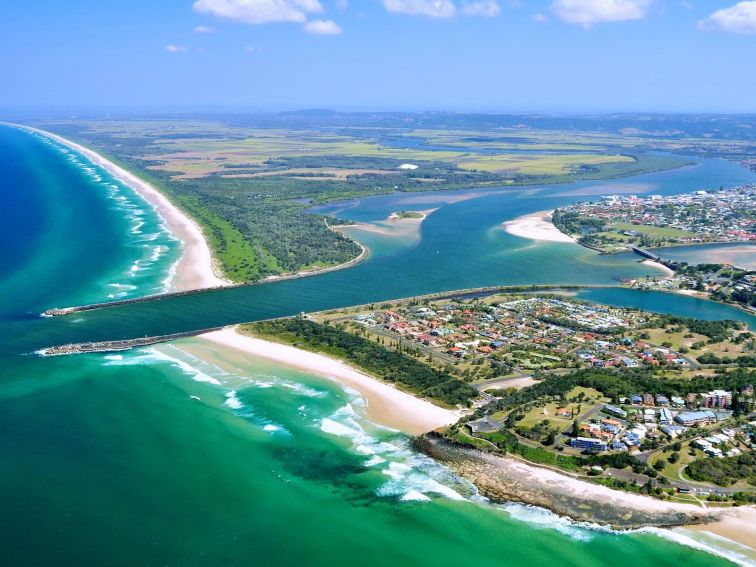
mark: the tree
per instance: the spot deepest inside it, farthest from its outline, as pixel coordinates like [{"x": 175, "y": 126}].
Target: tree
[
  {"x": 550, "y": 438},
  {"x": 736, "y": 406}
]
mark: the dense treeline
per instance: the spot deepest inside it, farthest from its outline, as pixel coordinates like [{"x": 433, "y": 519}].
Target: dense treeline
[
  {"x": 573, "y": 223},
  {"x": 725, "y": 471},
  {"x": 622, "y": 383},
  {"x": 375, "y": 358},
  {"x": 742, "y": 360}
]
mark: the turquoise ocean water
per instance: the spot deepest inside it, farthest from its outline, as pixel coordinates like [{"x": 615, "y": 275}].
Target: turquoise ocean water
[{"x": 108, "y": 459}]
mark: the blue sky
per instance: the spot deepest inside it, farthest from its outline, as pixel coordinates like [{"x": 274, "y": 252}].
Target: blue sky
[{"x": 504, "y": 55}]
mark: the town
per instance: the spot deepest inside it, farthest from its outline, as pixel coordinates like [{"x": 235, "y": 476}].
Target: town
[
  {"x": 520, "y": 334},
  {"x": 617, "y": 221},
  {"x": 560, "y": 380}
]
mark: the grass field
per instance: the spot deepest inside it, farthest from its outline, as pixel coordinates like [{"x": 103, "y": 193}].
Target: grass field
[
  {"x": 653, "y": 231},
  {"x": 199, "y": 148},
  {"x": 591, "y": 399},
  {"x": 671, "y": 470},
  {"x": 687, "y": 339}
]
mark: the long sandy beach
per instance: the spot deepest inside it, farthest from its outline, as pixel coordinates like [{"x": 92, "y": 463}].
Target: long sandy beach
[
  {"x": 385, "y": 404},
  {"x": 196, "y": 269}
]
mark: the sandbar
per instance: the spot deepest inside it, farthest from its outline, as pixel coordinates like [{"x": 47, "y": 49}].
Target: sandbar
[{"x": 537, "y": 226}]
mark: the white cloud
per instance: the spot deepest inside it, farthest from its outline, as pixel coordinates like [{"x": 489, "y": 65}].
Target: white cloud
[
  {"x": 431, "y": 8},
  {"x": 176, "y": 48},
  {"x": 589, "y": 12},
  {"x": 260, "y": 11},
  {"x": 539, "y": 18},
  {"x": 740, "y": 18},
  {"x": 485, "y": 8},
  {"x": 204, "y": 29},
  {"x": 322, "y": 27},
  {"x": 252, "y": 49}
]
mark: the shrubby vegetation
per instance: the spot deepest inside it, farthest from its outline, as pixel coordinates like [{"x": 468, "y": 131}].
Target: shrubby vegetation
[
  {"x": 725, "y": 471},
  {"x": 717, "y": 331},
  {"x": 372, "y": 357},
  {"x": 742, "y": 360}
]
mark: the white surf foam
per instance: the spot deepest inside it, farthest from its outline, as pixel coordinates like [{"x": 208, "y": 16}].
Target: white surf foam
[
  {"x": 152, "y": 356},
  {"x": 704, "y": 541},
  {"x": 232, "y": 401},
  {"x": 545, "y": 519},
  {"x": 414, "y": 495}
]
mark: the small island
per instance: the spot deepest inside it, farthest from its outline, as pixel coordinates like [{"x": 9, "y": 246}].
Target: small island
[{"x": 407, "y": 215}]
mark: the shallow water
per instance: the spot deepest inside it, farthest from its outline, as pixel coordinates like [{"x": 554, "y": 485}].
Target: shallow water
[
  {"x": 112, "y": 459},
  {"x": 742, "y": 255}
]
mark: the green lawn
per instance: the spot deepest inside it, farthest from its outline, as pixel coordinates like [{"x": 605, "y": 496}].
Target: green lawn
[{"x": 653, "y": 231}]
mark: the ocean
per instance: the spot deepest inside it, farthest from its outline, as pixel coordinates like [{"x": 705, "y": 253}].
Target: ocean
[{"x": 159, "y": 456}]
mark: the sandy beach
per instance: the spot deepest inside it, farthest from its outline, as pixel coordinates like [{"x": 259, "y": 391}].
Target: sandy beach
[
  {"x": 668, "y": 272},
  {"x": 537, "y": 226},
  {"x": 737, "y": 524},
  {"x": 725, "y": 531},
  {"x": 385, "y": 404},
  {"x": 196, "y": 269}
]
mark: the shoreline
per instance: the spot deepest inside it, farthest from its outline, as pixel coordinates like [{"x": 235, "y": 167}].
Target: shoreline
[
  {"x": 363, "y": 255},
  {"x": 537, "y": 226},
  {"x": 385, "y": 404},
  {"x": 733, "y": 526},
  {"x": 668, "y": 272},
  {"x": 505, "y": 479},
  {"x": 196, "y": 268}
]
